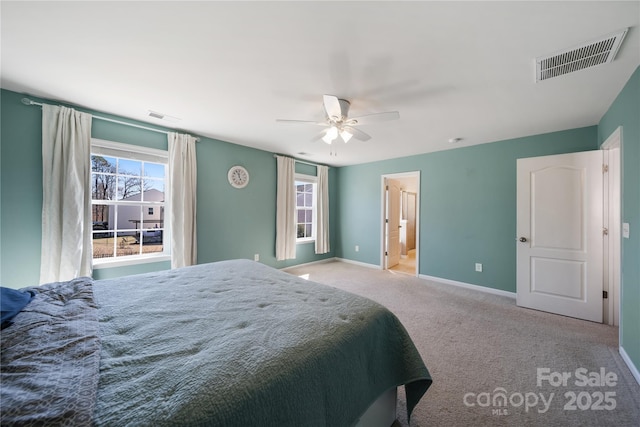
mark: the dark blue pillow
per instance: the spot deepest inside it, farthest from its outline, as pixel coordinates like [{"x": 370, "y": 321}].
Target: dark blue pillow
[{"x": 11, "y": 302}]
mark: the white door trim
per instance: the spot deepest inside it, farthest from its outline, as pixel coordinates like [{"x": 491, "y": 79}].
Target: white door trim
[
  {"x": 411, "y": 174},
  {"x": 613, "y": 219}
]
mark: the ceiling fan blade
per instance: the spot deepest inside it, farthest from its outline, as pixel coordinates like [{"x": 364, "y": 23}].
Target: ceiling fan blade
[
  {"x": 374, "y": 118},
  {"x": 357, "y": 133},
  {"x": 319, "y": 135},
  {"x": 309, "y": 122},
  {"x": 332, "y": 106}
]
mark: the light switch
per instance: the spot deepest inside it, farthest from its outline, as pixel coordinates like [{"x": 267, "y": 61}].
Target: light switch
[{"x": 625, "y": 230}]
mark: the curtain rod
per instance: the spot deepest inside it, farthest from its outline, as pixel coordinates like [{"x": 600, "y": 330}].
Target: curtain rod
[
  {"x": 302, "y": 161},
  {"x": 27, "y": 101}
]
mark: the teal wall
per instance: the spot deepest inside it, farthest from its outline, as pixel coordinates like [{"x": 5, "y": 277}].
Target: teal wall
[
  {"x": 231, "y": 223},
  {"x": 20, "y": 192},
  {"x": 467, "y": 206},
  {"x": 625, "y": 112}
]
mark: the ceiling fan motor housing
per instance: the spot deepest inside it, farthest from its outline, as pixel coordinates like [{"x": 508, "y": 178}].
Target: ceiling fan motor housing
[{"x": 344, "y": 111}]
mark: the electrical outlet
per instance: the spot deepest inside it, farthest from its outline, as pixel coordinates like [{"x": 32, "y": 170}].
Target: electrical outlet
[
  {"x": 478, "y": 267},
  {"x": 256, "y": 257},
  {"x": 357, "y": 248}
]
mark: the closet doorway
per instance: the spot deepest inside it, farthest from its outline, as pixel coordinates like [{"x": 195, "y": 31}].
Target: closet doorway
[{"x": 400, "y": 222}]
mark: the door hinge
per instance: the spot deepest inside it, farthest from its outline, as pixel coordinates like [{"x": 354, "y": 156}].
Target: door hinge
[
  {"x": 386, "y": 220},
  {"x": 387, "y": 188},
  {"x": 605, "y": 294},
  {"x": 605, "y": 168},
  {"x": 386, "y": 253},
  {"x": 605, "y": 231}
]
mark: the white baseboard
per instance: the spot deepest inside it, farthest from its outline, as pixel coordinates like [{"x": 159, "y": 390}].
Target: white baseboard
[
  {"x": 469, "y": 286},
  {"x": 361, "y": 264},
  {"x": 632, "y": 367},
  {"x": 322, "y": 261}
]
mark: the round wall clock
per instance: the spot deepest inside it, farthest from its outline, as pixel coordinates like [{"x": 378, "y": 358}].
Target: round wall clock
[{"x": 238, "y": 177}]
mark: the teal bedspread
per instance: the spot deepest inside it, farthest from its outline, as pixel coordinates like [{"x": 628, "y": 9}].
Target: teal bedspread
[{"x": 237, "y": 343}]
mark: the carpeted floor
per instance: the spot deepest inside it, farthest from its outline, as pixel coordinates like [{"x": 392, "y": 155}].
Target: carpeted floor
[{"x": 480, "y": 347}]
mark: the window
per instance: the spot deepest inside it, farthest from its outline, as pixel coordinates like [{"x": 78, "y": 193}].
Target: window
[
  {"x": 128, "y": 193},
  {"x": 305, "y": 208}
]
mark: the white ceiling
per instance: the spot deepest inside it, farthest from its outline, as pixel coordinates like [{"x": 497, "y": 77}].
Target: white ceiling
[{"x": 228, "y": 70}]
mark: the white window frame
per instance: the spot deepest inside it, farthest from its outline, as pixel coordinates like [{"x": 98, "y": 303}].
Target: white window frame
[
  {"x": 308, "y": 179},
  {"x": 135, "y": 152}
]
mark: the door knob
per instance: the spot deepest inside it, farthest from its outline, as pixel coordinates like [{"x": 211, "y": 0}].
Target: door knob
[{"x": 523, "y": 239}]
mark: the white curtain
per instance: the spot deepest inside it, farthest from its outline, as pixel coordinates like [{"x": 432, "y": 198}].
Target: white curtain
[
  {"x": 286, "y": 209},
  {"x": 182, "y": 199},
  {"x": 322, "y": 210},
  {"x": 66, "y": 194}
]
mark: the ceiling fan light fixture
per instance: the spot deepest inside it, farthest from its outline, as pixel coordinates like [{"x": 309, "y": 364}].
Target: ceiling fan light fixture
[
  {"x": 332, "y": 133},
  {"x": 346, "y": 135},
  {"x": 338, "y": 124}
]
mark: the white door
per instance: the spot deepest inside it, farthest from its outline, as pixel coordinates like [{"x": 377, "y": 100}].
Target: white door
[
  {"x": 393, "y": 222},
  {"x": 560, "y": 234}
]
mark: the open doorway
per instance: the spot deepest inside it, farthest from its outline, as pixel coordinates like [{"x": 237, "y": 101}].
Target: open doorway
[{"x": 400, "y": 222}]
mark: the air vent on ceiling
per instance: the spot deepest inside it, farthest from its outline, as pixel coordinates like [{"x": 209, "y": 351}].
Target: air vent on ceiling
[
  {"x": 595, "y": 52},
  {"x": 162, "y": 116}
]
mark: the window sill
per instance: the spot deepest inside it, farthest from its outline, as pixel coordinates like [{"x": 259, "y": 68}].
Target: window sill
[
  {"x": 119, "y": 262},
  {"x": 300, "y": 242}
]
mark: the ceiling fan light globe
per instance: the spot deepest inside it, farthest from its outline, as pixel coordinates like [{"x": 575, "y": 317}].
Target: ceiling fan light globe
[
  {"x": 332, "y": 133},
  {"x": 346, "y": 136}
]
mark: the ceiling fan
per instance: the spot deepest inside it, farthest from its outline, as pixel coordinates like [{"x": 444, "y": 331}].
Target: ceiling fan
[{"x": 338, "y": 123}]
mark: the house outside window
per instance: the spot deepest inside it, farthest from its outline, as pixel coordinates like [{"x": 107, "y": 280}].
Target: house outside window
[
  {"x": 129, "y": 215},
  {"x": 306, "y": 187}
]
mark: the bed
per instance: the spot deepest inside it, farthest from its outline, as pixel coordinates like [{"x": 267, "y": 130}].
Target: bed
[{"x": 231, "y": 343}]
